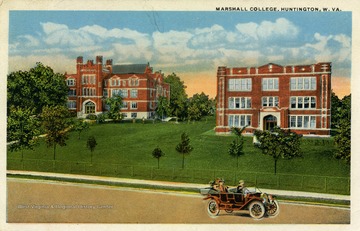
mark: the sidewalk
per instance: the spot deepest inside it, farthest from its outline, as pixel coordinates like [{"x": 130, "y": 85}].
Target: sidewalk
[{"x": 165, "y": 184}]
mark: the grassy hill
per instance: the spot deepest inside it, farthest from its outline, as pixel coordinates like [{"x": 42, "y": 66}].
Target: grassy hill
[{"x": 131, "y": 144}]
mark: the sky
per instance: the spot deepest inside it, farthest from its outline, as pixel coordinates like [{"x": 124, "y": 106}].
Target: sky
[{"x": 191, "y": 44}]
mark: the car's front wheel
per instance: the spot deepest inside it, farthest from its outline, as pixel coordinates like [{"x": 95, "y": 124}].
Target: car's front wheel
[
  {"x": 256, "y": 209},
  {"x": 213, "y": 208},
  {"x": 273, "y": 209}
]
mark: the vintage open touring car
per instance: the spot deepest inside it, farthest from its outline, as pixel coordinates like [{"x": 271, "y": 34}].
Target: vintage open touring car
[{"x": 257, "y": 203}]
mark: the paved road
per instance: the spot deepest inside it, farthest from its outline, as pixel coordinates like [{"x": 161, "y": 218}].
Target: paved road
[{"x": 33, "y": 201}]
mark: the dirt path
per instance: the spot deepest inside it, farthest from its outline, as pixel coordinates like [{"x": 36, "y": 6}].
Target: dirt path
[{"x": 30, "y": 201}]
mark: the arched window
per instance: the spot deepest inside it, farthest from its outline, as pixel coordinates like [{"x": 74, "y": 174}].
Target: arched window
[{"x": 89, "y": 107}]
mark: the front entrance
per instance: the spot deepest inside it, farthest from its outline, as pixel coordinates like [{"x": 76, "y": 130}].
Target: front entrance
[
  {"x": 270, "y": 122},
  {"x": 89, "y": 107}
]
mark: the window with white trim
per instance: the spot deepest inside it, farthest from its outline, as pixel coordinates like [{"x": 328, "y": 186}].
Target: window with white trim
[
  {"x": 72, "y": 92},
  {"x": 302, "y": 121},
  {"x": 302, "y": 102},
  {"x": 240, "y": 103},
  {"x": 244, "y": 84},
  {"x": 302, "y": 83},
  {"x": 270, "y": 101},
  {"x": 88, "y": 79},
  {"x": 71, "y": 104},
  {"x": 239, "y": 120},
  {"x": 70, "y": 82},
  {"x": 270, "y": 84},
  {"x": 88, "y": 91},
  {"x": 133, "y": 105},
  {"x": 134, "y": 93},
  {"x": 124, "y": 105}
]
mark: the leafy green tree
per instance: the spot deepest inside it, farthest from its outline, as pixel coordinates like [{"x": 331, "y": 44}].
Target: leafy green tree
[
  {"x": 79, "y": 126},
  {"x": 178, "y": 96},
  {"x": 279, "y": 144},
  {"x": 22, "y": 129},
  {"x": 194, "y": 112},
  {"x": 162, "y": 108},
  {"x": 343, "y": 138},
  {"x": 36, "y": 88},
  {"x": 56, "y": 122},
  {"x": 115, "y": 104},
  {"x": 158, "y": 153},
  {"x": 335, "y": 109},
  {"x": 237, "y": 145},
  {"x": 203, "y": 103},
  {"x": 184, "y": 147},
  {"x": 91, "y": 144}
]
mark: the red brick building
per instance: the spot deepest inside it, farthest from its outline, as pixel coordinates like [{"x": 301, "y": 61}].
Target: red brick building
[
  {"x": 138, "y": 85},
  {"x": 291, "y": 97}
]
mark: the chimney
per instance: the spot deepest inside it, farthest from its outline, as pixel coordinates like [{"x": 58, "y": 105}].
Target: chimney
[
  {"x": 99, "y": 59},
  {"x": 79, "y": 60}
]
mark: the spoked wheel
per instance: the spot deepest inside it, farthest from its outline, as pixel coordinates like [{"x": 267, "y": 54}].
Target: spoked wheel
[
  {"x": 256, "y": 209},
  {"x": 213, "y": 208},
  {"x": 273, "y": 209}
]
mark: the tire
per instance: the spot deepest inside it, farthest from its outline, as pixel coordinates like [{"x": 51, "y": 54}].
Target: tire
[
  {"x": 256, "y": 209},
  {"x": 213, "y": 208},
  {"x": 273, "y": 210}
]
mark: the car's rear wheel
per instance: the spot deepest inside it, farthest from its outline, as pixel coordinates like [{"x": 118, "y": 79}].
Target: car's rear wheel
[
  {"x": 213, "y": 208},
  {"x": 273, "y": 209},
  {"x": 256, "y": 209}
]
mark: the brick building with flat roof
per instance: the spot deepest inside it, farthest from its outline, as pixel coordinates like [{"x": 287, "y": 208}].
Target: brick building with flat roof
[
  {"x": 296, "y": 97},
  {"x": 138, "y": 85}
]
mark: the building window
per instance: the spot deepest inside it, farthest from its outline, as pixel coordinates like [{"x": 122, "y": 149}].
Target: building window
[
  {"x": 270, "y": 84},
  {"x": 105, "y": 93},
  {"x": 133, "y": 82},
  {"x": 88, "y": 91},
  {"x": 302, "y": 121},
  {"x": 71, "y": 104},
  {"x": 240, "y": 84},
  {"x": 239, "y": 120},
  {"x": 70, "y": 82},
  {"x": 88, "y": 79},
  {"x": 72, "y": 92},
  {"x": 270, "y": 101},
  {"x": 124, "y": 93},
  {"x": 303, "y": 102},
  {"x": 89, "y": 108},
  {"x": 134, "y": 93},
  {"x": 240, "y": 103},
  {"x": 133, "y": 115},
  {"x": 124, "y": 105},
  {"x": 133, "y": 105},
  {"x": 303, "y": 83}
]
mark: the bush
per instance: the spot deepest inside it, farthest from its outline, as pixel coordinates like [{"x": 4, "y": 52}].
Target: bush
[{"x": 91, "y": 117}]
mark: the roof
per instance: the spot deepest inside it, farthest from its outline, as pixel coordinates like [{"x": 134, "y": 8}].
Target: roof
[{"x": 129, "y": 69}]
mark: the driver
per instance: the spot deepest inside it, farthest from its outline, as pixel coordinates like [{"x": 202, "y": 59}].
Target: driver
[{"x": 240, "y": 187}]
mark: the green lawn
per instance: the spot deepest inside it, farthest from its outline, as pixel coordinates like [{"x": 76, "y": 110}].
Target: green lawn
[{"x": 129, "y": 145}]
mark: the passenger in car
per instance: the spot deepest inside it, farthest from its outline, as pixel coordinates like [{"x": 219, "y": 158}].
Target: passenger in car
[{"x": 240, "y": 186}]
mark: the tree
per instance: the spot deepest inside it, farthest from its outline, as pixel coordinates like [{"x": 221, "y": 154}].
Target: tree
[
  {"x": 203, "y": 103},
  {"x": 79, "y": 126},
  {"x": 184, "y": 147},
  {"x": 279, "y": 144},
  {"x": 236, "y": 146},
  {"x": 56, "y": 124},
  {"x": 194, "y": 112},
  {"x": 22, "y": 129},
  {"x": 343, "y": 138},
  {"x": 36, "y": 88},
  {"x": 91, "y": 144},
  {"x": 335, "y": 109},
  {"x": 115, "y": 104},
  {"x": 162, "y": 108},
  {"x": 178, "y": 96},
  {"x": 158, "y": 153}
]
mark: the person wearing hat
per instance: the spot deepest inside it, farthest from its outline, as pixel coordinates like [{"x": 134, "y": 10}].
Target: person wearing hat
[
  {"x": 240, "y": 187},
  {"x": 222, "y": 187}
]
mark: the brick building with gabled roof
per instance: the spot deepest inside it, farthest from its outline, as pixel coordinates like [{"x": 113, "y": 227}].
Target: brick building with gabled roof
[
  {"x": 296, "y": 97},
  {"x": 138, "y": 85}
]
